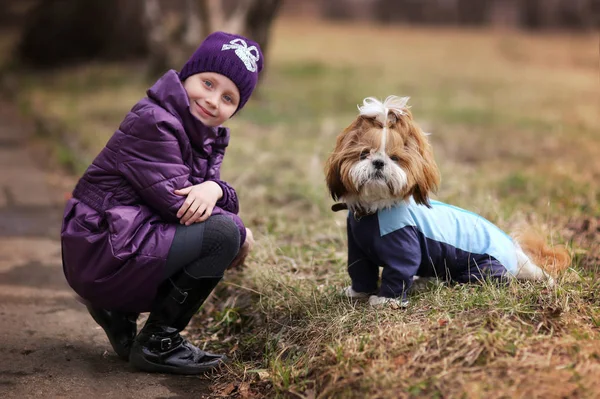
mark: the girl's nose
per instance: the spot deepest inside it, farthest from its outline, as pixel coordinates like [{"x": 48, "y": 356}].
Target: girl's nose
[{"x": 212, "y": 100}]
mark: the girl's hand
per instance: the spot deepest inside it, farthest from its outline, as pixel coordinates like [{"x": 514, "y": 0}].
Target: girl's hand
[
  {"x": 200, "y": 202},
  {"x": 247, "y": 246}
]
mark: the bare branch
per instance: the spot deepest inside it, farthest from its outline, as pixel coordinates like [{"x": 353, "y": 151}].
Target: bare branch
[
  {"x": 193, "y": 30},
  {"x": 236, "y": 23},
  {"x": 216, "y": 14},
  {"x": 157, "y": 37}
]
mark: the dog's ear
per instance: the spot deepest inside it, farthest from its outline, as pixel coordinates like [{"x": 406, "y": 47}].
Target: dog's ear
[
  {"x": 333, "y": 165},
  {"x": 428, "y": 179},
  {"x": 333, "y": 176}
]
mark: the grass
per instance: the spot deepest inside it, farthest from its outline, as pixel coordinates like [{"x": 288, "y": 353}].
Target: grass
[{"x": 515, "y": 128}]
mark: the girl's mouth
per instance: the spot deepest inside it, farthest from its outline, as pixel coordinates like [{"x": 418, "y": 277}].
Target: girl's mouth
[{"x": 205, "y": 111}]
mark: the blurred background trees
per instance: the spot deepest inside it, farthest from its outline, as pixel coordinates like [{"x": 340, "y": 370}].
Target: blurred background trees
[
  {"x": 530, "y": 14},
  {"x": 165, "y": 32},
  {"x": 59, "y": 32}
]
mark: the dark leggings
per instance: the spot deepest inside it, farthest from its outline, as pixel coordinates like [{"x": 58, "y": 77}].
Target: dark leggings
[{"x": 204, "y": 249}]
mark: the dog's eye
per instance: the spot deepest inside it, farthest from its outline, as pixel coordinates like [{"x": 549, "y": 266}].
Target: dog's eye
[
  {"x": 364, "y": 154},
  {"x": 394, "y": 158}
]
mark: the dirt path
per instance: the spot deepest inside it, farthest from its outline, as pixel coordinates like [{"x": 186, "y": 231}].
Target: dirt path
[{"x": 49, "y": 346}]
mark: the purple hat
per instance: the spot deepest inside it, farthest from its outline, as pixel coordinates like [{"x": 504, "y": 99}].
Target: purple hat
[{"x": 234, "y": 56}]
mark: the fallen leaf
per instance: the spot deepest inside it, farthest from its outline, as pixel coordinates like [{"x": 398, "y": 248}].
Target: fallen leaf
[
  {"x": 309, "y": 394},
  {"x": 399, "y": 361},
  {"x": 227, "y": 390},
  {"x": 244, "y": 390},
  {"x": 264, "y": 375}
]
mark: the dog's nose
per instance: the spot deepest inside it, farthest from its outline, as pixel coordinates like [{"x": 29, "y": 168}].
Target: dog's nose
[{"x": 378, "y": 164}]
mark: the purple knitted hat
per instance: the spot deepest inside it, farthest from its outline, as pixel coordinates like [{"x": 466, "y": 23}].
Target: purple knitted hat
[{"x": 234, "y": 56}]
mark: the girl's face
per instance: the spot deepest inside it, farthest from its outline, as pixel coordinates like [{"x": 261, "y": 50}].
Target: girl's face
[{"x": 214, "y": 98}]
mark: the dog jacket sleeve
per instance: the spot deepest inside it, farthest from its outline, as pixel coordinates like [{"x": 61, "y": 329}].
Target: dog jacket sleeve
[
  {"x": 400, "y": 254},
  {"x": 363, "y": 272}
]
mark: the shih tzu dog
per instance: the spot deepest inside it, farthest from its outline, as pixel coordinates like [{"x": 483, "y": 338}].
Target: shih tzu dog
[{"x": 383, "y": 171}]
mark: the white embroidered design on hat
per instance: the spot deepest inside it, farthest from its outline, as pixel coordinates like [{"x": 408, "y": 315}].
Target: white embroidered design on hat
[{"x": 244, "y": 53}]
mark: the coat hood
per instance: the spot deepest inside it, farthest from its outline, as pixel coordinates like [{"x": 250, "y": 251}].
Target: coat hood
[{"x": 169, "y": 93}]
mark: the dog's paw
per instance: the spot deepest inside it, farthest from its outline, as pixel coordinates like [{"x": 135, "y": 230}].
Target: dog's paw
[
  {"x": 394, "y": 303},
  {"x": 348, "y": 292}
]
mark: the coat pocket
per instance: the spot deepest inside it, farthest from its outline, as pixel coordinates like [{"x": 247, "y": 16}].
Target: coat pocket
[
  {"x": 85, "y": 218},
  {"x": 128, "y": 227}
]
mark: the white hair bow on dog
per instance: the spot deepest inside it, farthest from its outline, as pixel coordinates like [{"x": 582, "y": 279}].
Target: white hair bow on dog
[{"x": 373, "y": 108}]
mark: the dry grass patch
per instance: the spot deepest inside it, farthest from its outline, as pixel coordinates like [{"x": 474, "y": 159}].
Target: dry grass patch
[{"x": 476, "y": 340}]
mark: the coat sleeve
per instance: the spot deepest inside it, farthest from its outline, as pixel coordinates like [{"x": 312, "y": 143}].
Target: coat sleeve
[
  {"x": 150, "y": 159},
  {"x": 229, "y": 200},
  {"x": 400, "y": 252}
]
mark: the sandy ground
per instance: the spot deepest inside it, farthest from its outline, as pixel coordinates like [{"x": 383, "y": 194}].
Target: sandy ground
[{"x": 50, "y": 347}]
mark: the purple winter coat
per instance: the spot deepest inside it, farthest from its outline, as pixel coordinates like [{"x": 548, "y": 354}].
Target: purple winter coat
[{"x": 118, "y": 227}]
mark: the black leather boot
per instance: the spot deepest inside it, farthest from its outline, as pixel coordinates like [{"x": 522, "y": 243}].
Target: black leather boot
[
  {"x": 120, "y": 328},
  {"x": 159, "y": 347}
]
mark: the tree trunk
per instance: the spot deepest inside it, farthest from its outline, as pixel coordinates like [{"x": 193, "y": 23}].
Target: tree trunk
[
  {"x": 238, "y": 20},
  {"x": 195, "y": 25},
  {"x": 505, "y": 13},
  {"x": 157, "y": 38},
  {"x": 259, "y": 21},
  {"x": 473, "y": 12}
]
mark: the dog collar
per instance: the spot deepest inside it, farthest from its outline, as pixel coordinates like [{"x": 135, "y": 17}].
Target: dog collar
[{"x": 358, "y": 213}]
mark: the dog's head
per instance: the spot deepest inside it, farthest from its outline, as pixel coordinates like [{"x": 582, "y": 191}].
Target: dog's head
[{"x": 382, "y": 158}]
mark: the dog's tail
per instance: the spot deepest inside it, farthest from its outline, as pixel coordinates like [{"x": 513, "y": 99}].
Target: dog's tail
[{"x": 553, "y": 259}]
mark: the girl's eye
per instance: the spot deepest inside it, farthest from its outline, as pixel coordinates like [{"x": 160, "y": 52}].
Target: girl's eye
[
  {"x": 394, "y": 158},
  {"x": 363, "y": 154},
  {"x": 207, "y": 83},
  {"x": 227, "y": 99}
]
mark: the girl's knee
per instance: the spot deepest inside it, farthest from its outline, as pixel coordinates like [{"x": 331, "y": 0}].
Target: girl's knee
[
  {"x": 220, "y": 245},
  {"x": 224, "y": 232}
]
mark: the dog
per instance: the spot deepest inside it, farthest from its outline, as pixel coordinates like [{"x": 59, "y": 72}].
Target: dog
[{"x": 383, "y": 171}]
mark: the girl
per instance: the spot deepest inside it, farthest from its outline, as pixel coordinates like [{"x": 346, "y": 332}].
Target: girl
[{"x": 151, "y": 226}]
